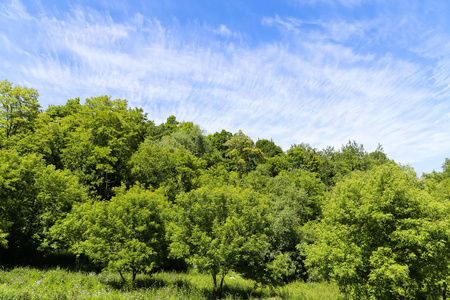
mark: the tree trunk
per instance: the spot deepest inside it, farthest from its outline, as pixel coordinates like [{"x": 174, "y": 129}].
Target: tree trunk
[
  {"x": 134, "y": 275},
  {"x": 221, "y": 282},
  {"x": 121, "y": 275},
  {"x": 444, "y": 292},
  {"x": 215, "y": 282}
]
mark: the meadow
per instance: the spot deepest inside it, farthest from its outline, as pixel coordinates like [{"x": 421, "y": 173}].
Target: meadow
[{"x": 31, "y": 283}]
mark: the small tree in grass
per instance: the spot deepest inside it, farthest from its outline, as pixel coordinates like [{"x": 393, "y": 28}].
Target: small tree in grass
[
  {"x": 220, "y": 228},
  {"x": 125, "y": 234}
]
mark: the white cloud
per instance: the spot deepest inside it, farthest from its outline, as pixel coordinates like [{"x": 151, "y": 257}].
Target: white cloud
[
  {"x": 313, "y": 87},
  {"x": 223, "y": 30}
]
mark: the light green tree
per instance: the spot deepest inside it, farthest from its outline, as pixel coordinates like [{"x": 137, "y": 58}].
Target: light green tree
[
  {"x": 304, "y": 157},
  {"x": 101, "y": 136},
  {"x": 126, "y": 234},
  {"x": 242, "y": 150},
  {"x": 221, "y": 228},
  {"x": 382, "y": 236},
  {"x": 189, "y": 136},
  {"x": 19, "y": 107}
]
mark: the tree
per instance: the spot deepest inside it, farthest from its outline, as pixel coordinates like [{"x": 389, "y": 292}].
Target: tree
[
  {"x": 351, "y": 157},
  {"x": 242, "y": 150},
  {"x": 126, "y": 234},
  {"x": 100, "y": 138},
  {"x": 218, "y": 140},
  {"x": 156, "y": 133},
  {"x": 278, "y": 164},
  {"x": 189, "y": 136},
  {"x": 219, "y": 229},
  {"x": 268, "y": 148},
  {"x": 156, "y": 167},
  {"x": 382, "y": 236},
  {"x": 304, "y": 157},
  {"x": 32, "y": 198},
  {"x": 18, "y": 108},
  {"x": 446, "y": 167}
]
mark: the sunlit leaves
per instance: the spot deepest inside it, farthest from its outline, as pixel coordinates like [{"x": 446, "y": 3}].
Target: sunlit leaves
[
  {"x": 125, "y": 234},
  {"x": 19, "y": 107},
  {"x": 220, "y": 228},
  {"x": 382, "y": 235}
]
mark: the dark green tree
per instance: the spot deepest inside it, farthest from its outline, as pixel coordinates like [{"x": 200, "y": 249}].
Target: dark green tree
[
  {"x": 218, "y": 140},
  {"x": 32, "y": 198},
  {"x": 175, "y": 171},
  {"x": 268, "y": 148}
]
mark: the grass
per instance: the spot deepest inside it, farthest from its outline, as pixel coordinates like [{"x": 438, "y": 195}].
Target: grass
[{"x": 29, "y": 283}]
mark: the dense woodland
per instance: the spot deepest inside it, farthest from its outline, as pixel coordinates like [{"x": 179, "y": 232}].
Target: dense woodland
[{"x": 98, "y": 185}]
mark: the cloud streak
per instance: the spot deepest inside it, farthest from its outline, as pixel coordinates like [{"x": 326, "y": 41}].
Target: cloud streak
[{"x": 313, "y": 86}]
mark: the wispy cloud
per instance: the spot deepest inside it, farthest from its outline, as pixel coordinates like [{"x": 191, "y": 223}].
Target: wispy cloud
[{"x": 314, "y": 86}]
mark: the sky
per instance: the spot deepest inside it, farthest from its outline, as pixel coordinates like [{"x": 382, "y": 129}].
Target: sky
[{"x": 320, "y": 72}]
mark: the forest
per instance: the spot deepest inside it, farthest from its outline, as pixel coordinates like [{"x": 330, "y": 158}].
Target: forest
[{"x": 98, "y": 186}]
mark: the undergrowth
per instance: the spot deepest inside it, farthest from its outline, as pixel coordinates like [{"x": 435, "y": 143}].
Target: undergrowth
[{"x": 30, "y": 283}]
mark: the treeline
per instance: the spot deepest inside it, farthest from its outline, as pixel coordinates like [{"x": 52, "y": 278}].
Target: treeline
[{"x": 108, "y": 186}]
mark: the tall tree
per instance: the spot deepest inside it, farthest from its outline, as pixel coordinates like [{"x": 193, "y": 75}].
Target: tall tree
[
  {"x": 19, "y": 107},
  {"x": 101, "y": 137},
  {"x": 189, "y": 136},
  {"x": 32, "y": 198},
  {"x": 218, "y": 140},
  {"x": 175, "y": 171}
]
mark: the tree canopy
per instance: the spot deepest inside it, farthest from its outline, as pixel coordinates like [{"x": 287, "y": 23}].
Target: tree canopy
[
  {"x": 382, "y": 236},
  {"x": 99, "y": 182}
]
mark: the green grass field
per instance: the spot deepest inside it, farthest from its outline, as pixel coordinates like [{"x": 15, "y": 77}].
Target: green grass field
[{"x": 29, "y": 283}]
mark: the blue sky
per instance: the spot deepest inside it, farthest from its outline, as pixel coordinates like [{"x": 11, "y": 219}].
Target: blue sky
[{"x": 316, "y": 71}]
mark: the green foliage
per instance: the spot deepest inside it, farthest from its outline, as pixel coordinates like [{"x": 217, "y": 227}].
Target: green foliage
[
  {"x": 277, "y": 164},
  {"x": 125, "y": 234},
  {"x": 242, "y": 151},
  {"x": 382, "y": 236},
  {"x": 173, "y": 170},
  {"x": 296, "y": 198},
  {"x": 351, "y": 157},
  {"x": 101, "y": 137},
  {"x": 303, "y": 157},
  {"x": 219, "y": 229},
  {"x": 17, "y": 195},
  {"x": 19, "y": 107},
  {"x": 356, "y": 218},
  {"x": 218, "y": 140},
  {"x": 268, "y": 148},
  {"x": 190, "y": 137},
  {"x": 446, "y": 167},
  {"x": 32, "y": 198},
  {"x": 156, "y": 133},
  {"x": 48, "y": 140},
  {"x": 3, "y": 236}
]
